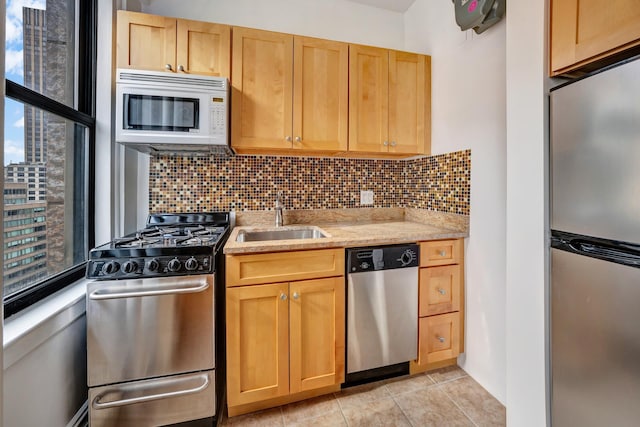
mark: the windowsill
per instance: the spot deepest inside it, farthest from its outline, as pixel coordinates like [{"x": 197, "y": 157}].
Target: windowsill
[{"x": 32, "y": 326}]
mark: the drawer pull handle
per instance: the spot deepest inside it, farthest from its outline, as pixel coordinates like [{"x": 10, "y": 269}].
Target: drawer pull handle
[
  {"x": 288, "y": 138},
  {"x": 168, "y": 67},
  {"x": 296, "y": 295},
  {"x": 283, "y": 297},
  {"x": 442, "y": 291},
  {"x": 441, "y": 339},
  {"x": 442, "y": 253}
]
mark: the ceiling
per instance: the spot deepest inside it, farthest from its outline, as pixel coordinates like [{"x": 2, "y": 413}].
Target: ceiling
[{"x": 394, "y": 5}]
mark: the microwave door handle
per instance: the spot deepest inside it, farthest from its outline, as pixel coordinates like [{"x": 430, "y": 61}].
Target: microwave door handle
[
  {"x": 97, "y": 404},
  {"x": 190, "y": 287}
]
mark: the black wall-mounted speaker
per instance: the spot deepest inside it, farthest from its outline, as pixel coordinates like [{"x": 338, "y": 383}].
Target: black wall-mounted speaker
[{"x": 478, "y": 14}]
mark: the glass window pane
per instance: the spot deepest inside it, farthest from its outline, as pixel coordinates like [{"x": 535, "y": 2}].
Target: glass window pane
[
  {"x": 40, "y": 47},
  {"x": 44, "y": 198}
]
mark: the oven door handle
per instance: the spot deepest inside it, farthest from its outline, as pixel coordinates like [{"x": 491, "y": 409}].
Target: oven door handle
[
  {"x": 189, "y": 287},
  {"x": 132, "y": 401}
]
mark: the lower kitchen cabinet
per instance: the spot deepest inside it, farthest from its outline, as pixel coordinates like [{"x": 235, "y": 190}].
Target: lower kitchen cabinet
[
  {"x": 283, "y": 339},
  {"x": 316, "y": 334},
  {"x": 257, "y": 343},
  {"x": 441, "y": 304}
]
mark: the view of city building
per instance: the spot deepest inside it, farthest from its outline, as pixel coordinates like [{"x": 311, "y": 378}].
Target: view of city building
[{"x": 34, "y": 203}]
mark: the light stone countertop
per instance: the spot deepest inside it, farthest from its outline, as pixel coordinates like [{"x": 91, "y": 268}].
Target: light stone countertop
[{"x": 345, "y": 234}]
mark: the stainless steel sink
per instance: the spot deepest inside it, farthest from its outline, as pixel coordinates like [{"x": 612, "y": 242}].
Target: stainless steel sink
[{"x": 280, "y": 234}]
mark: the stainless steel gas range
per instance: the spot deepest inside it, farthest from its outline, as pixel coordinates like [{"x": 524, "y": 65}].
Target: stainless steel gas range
[{"x": 154, "y": 355}]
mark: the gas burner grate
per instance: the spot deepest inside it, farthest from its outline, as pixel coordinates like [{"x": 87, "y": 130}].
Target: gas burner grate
[{"x": 170, "y": 236}]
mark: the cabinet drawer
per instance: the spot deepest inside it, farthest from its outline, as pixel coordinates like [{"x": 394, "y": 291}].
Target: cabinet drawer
[
  {"x": 440, "y": 252},
  {"x": 439, "y": 338},
  {"x": 439, "y": 290},
  {"x": 284, "y": 266}
]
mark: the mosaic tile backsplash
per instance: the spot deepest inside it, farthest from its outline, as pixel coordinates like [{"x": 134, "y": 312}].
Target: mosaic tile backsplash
[{"x": 243, "y": 183}]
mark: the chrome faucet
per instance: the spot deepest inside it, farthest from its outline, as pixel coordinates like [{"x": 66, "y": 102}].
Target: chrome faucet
[{"x": 278, "y": 209}]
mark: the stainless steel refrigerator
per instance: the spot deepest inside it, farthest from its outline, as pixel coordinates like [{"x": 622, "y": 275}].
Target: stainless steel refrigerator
[{"x": 595, "y": 249}]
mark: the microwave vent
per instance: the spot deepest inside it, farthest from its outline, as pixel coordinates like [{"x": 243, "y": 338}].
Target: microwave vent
[
  {"x": 219, "y": 83},
  {"x": 186, "y": 150}
]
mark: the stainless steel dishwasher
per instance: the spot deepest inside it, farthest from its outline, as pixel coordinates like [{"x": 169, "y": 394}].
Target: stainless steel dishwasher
[{"x": 382, "y": 311}]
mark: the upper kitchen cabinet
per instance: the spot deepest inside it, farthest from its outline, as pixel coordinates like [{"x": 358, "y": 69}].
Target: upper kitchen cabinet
[
  {"x": 389, "y": 101},
  {"x": 586, "y": 34},
  {"x": 289, "y": 93},
  {"x": 150, "y": 42}
]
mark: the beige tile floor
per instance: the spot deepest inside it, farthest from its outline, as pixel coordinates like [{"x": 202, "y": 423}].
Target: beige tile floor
[{"x": 446, "y": 397}]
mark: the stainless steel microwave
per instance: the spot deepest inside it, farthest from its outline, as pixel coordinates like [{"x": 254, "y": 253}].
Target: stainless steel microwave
[{"x": 159, "y": 112}]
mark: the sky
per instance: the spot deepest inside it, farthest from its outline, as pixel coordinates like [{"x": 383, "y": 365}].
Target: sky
[{"x": 14, "y": 111}]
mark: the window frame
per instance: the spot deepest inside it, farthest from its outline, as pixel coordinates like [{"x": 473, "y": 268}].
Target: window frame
[{"x": 86, "y": 21}]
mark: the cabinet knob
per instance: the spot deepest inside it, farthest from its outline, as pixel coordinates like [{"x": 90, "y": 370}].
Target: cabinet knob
[
  {"x": 393, "y": 143},
  {"x": 283, "y": 297},
  {"x": 296, "y": 295},
  {"x": 441, "y": 339},
  {"x": 442, "y": 253},
  {"x": 298, "y": 139},
  {"x": 442, "y": 291},
  {"x": 385, "y": 143},
  {"x": 288, "y": 138},
  {"x": 168, "y": 67},
  {"x": 180, "y": 68}
]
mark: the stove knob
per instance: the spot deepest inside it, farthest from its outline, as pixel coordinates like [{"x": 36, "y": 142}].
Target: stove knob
[
  {"x": 153, "y": 265},
  {"x": 130, "y": 267},
  {"x": 191, "y": 264},
  {"x": 174, "y": 265},
  {"x": 110, "y": 267}
]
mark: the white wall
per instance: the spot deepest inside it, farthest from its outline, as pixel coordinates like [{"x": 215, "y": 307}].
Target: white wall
[
  {"x": 527, "y": 278},
  {"x": 45, "y": 361},
  {"x": 468, "y": 111},
  {"x": 2, "y": 19},
  {"x": 330, "y": 19}
]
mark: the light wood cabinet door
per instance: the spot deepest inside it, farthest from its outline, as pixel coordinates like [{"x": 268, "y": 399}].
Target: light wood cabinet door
[
  {"x": 439, "y": 290},
  {"x": 584, "y": 31},
  {"x": 368, "y": 99},
  {"x": 145, "y": 42},
  {"x": 257, "y": 343},
  {"x": 320, "y": 94},
  {"x": 439, "y": 338},
  {"x": 262, "y": 87},
  {"x": 409, "y": 103},
  {"x": 316, "y": 310},
  {"x": 203, "y": 48}
]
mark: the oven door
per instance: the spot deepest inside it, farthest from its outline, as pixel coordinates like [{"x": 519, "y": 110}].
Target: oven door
[
  {"x": 159, "y": 401},
  {"x": 150, "y": 327}
]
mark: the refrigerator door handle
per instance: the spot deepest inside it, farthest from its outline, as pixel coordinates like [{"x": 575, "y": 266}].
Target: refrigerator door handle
[
  {"x": 97, "y": 404},
  {"x": 626, "y": 255}
]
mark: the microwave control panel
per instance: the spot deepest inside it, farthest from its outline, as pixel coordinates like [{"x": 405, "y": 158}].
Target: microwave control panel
[{"x": 218, "y": 117}]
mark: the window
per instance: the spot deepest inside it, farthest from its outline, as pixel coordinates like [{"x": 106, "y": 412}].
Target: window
[{"x": 48, "y": 147}]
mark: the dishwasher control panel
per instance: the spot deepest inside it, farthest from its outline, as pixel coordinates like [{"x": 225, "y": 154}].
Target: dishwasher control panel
[{"x": 382, "y": 258}]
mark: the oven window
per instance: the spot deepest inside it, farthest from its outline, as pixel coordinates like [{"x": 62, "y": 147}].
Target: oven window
[{"x": 160, "y": 113}]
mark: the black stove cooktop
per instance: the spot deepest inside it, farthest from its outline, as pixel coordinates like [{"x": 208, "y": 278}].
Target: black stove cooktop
[{"x": 169, "y": 245}]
